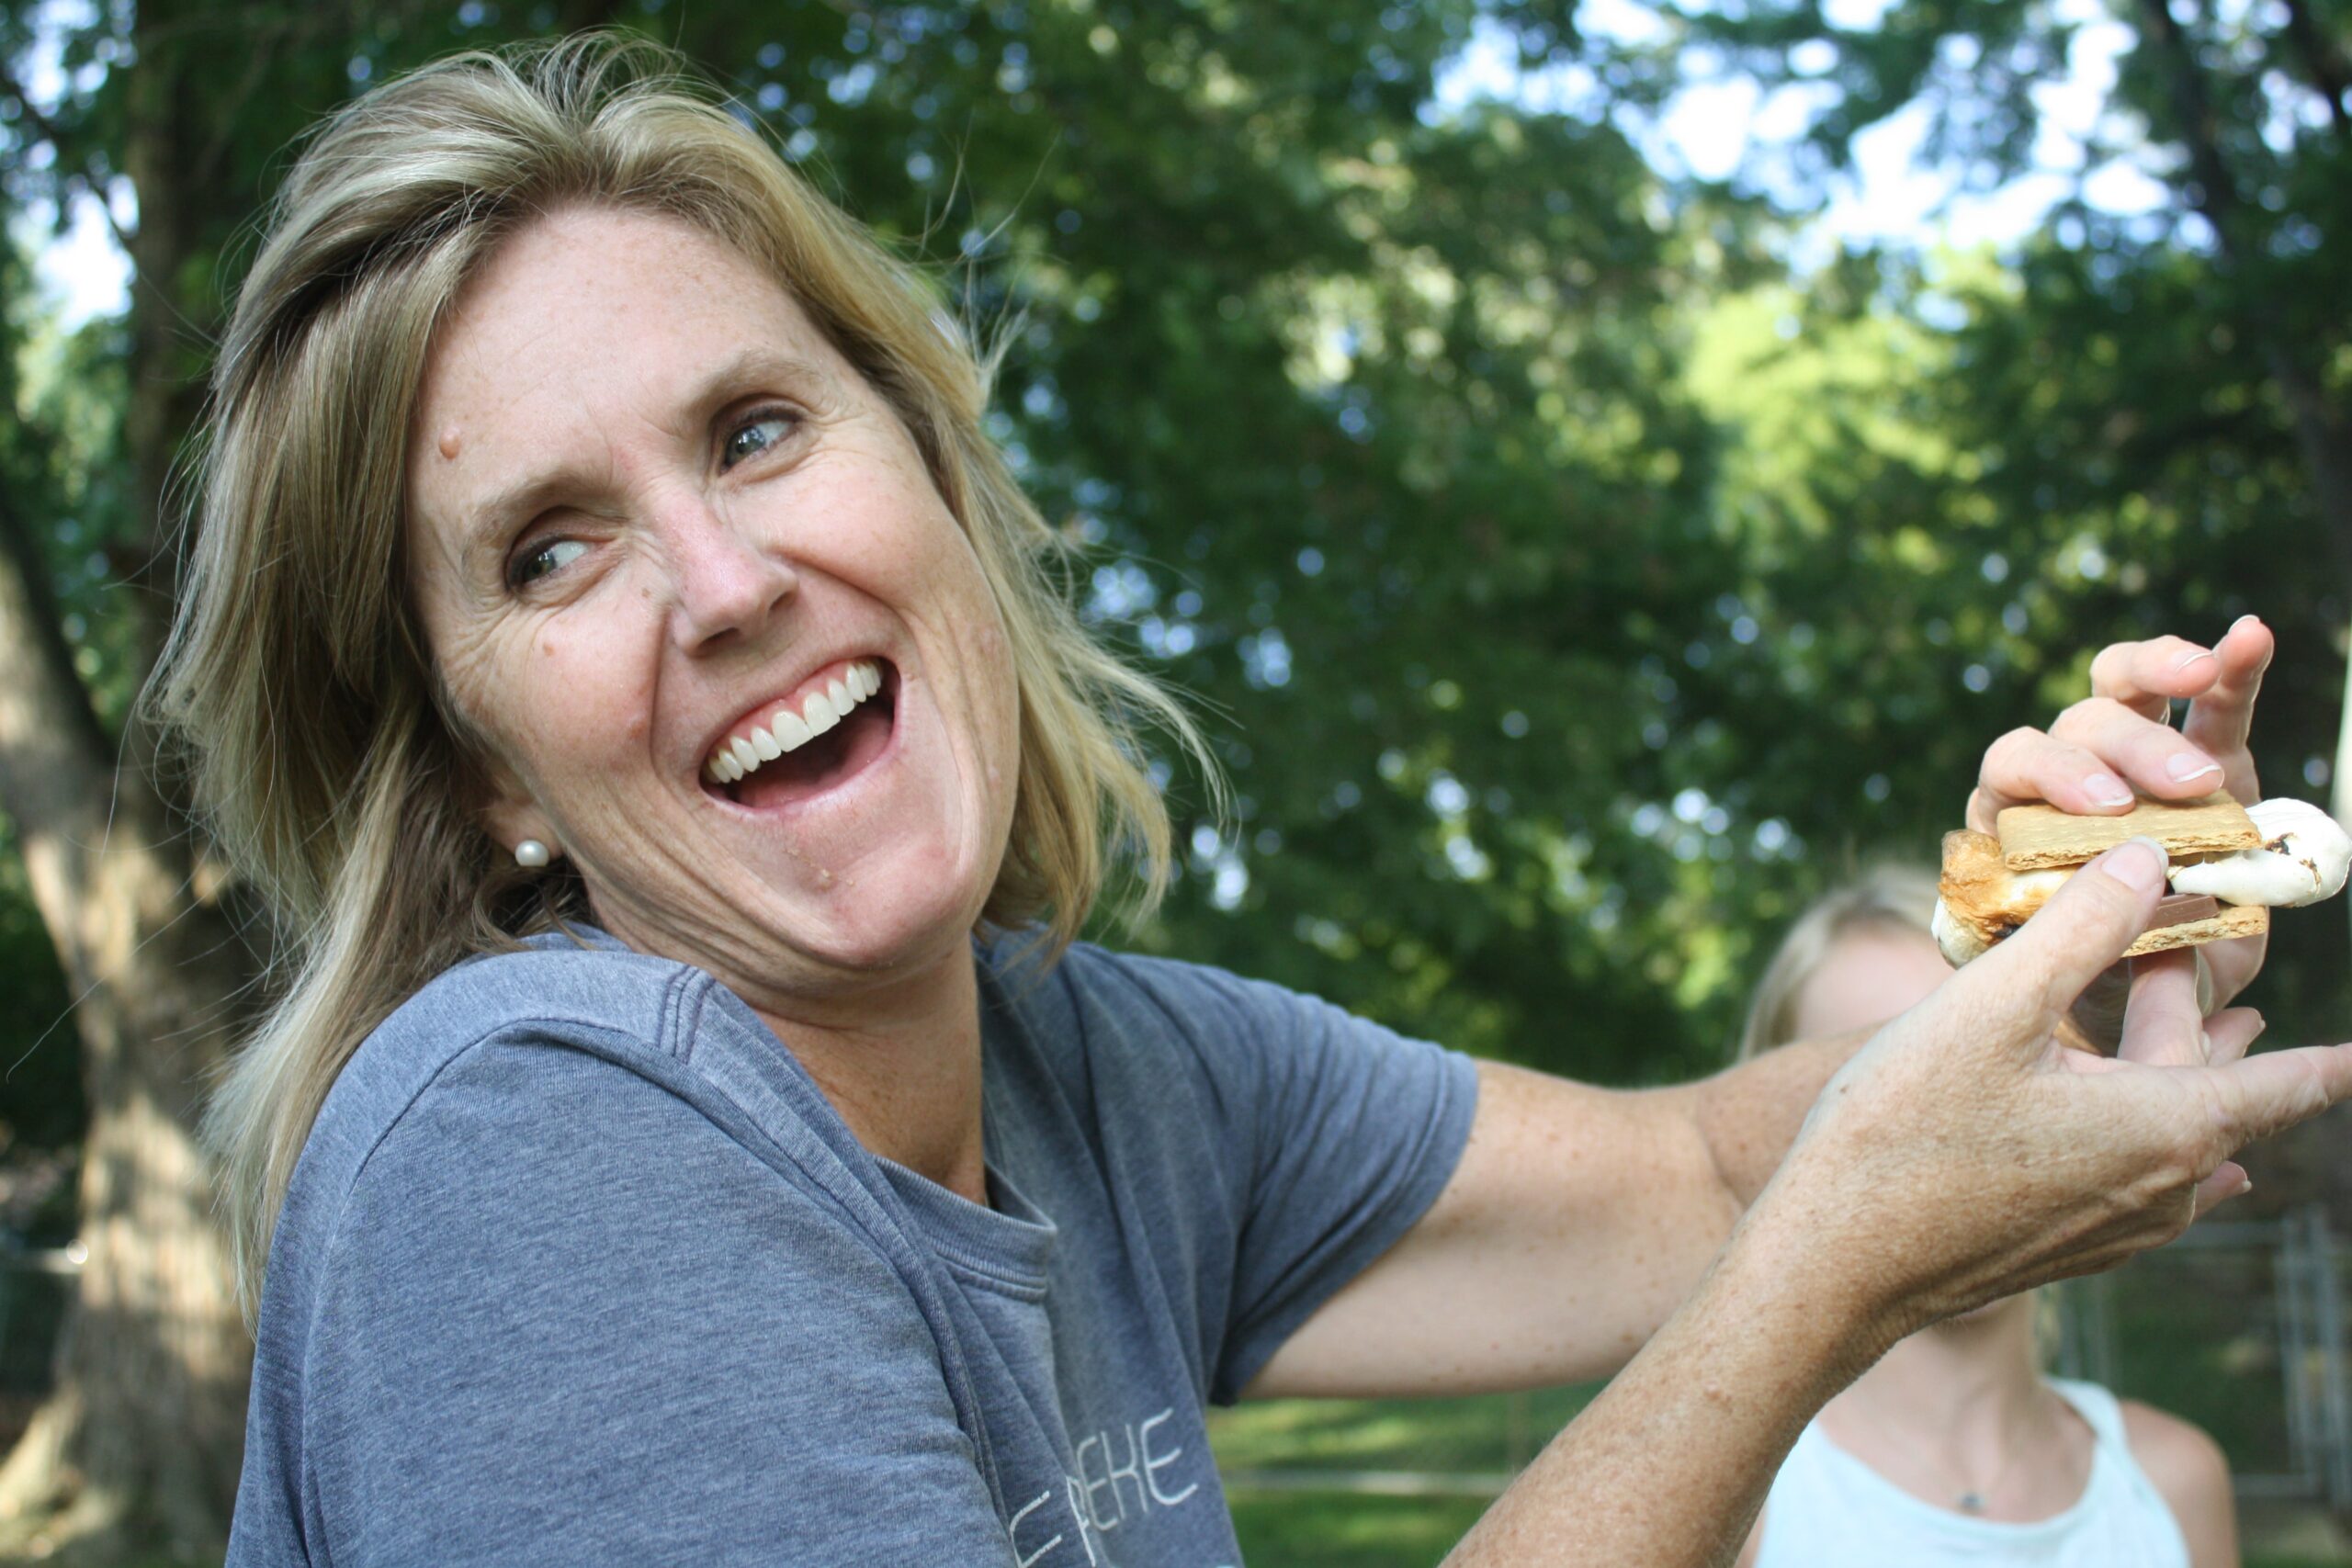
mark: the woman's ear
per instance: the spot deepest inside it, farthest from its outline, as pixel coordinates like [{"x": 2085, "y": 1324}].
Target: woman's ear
[
  {"x": 495, "y": 798},
  {"x": 511, "y": 818}
]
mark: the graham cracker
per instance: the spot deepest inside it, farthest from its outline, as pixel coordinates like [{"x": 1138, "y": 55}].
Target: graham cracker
[
  {"x": 2036, "y": 837},
  {"x": 2235, "y": 920}
]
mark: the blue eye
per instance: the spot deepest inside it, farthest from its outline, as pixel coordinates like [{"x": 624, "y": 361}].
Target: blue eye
[
  {"x": 756, "y": 435},
  {"x": 544, "y": 558}
]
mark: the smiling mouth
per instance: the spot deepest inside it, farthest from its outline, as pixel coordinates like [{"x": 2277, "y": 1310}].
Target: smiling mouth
[{"x": 832, "y": 737}]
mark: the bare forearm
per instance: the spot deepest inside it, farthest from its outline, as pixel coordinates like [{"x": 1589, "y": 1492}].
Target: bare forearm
[
  {"x": 1668, "y": 1467},
  {"x": 1748, "y": 1116},
  {"x": 1577, "y": 1222}
]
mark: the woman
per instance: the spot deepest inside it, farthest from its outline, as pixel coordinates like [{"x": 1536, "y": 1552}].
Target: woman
[
  {"x": 687, "y": 1133},
  {"x": 1955, "y": 1448}
]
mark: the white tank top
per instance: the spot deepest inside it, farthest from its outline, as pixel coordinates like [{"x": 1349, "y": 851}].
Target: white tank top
[{"x": 1827, "y": 1509}]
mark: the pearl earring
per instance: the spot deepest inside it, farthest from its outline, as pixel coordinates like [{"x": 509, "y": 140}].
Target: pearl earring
[{"x": 531, "y": 853}]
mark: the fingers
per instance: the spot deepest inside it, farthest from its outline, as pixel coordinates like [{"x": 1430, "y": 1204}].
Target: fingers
[
  {"x": 2119, "y": 740},
  {"x": 2162, "y": 1024},
  {"x": 2158, "y": 763},
  {"x": 2027, "y": 982},
  {"x": 2229, "y": 1033},
  {"x": 2025, "y": 764},
  {"x": 2146, "y": 676},
  {"x": 2261, "y": 1095},
  {"x": 2221, "y": 716},
  {"x": 2228, "y": 1180}
]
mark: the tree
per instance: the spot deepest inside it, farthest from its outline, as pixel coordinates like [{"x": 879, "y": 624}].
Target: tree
[
  {"x": 1561, "y": 620},
  {"x": 2208, "y": 325},
  {"x": 137, "y": 1447}
]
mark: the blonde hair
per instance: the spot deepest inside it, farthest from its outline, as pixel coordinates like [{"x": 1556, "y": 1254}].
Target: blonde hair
[
  {"x": 330, "y": 766},
  {"x": 1884, "y": 898}
]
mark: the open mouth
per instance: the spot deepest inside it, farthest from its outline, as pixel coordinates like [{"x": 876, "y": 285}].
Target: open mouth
[{"x": 801, "y": 751}]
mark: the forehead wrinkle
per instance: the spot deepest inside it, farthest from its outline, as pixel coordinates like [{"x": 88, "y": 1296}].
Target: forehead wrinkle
[{"x": 754, "y": 366}]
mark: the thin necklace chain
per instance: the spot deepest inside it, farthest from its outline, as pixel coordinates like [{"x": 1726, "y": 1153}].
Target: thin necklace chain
[{"x": 1970, "y": 1499}]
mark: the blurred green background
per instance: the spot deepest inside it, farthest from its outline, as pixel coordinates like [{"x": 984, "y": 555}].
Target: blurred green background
[{"x": 1601, "y": 470}]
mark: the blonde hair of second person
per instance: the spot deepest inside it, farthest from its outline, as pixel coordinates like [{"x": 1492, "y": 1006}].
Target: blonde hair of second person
[{"x": 1856, "y": 957}]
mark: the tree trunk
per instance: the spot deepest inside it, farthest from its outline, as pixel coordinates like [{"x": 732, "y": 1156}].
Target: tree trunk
[{"x": 138, "y": 1448}]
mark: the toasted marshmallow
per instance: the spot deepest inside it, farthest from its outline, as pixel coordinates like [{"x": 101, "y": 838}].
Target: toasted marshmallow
[{"x": 2303, "y": 859}]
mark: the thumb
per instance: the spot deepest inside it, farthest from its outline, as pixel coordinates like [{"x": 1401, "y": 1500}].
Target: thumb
[{"x": 2072, "y": 939}]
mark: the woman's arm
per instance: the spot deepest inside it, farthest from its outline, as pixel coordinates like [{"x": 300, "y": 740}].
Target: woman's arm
[
  {"x": 1577, "y": 1222},
  {"x": 2190, "y": 1470},
  {"x": 1580, "y": 1217},
  {"x": 1961, "y": 1156}
]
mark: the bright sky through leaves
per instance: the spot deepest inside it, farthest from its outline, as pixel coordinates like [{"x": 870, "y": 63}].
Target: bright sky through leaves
[{"x": 1708, "y": 131}]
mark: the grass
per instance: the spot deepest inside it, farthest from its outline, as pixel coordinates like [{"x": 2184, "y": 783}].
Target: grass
[
  {"x": 1341, "y": 1529},
  {"x": 1481, "y": 1435}
]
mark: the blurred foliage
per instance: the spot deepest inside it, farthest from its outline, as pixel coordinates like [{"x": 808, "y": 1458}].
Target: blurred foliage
[{"x": 1573, "y": 584}]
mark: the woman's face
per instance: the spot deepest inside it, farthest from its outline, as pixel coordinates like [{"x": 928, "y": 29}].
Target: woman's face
[
  {"x": 650, "y": 508},
  {"x": 1871, "y": 974}
]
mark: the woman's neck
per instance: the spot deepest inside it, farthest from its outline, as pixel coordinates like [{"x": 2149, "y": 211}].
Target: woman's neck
[
  {"x": 1959, "y": 1415},
  {"x": 1957, "y": 1377},
  {"x": 902, "y": 1069}
]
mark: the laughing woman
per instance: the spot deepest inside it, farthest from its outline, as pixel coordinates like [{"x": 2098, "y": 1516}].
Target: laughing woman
[{"x": 688, "y": 1131}]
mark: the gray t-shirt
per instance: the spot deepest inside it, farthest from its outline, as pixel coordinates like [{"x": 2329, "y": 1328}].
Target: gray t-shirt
[{"x": 579, "y": 1267}]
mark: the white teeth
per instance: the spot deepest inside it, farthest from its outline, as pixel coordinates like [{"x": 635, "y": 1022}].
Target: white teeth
[{"x": 787, "y": 731}]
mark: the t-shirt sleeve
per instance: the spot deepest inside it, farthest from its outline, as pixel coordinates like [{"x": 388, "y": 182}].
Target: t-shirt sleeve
[
  {"x": 1342, "y": 1134},
  {"x": 568, "y": 1319}
]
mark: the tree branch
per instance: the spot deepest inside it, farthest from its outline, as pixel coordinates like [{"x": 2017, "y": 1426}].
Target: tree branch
[
  {"x": 2320, "y": 432},
  {"x": 2327, "y": 71},
  {"x": 93, "y": 176}
]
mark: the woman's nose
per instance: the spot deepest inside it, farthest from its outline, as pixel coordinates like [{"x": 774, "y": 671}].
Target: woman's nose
[{"x": 727, "y": 585}]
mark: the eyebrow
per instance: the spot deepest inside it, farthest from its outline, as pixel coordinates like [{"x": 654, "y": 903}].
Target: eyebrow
[{"x": 490, "y": 517}]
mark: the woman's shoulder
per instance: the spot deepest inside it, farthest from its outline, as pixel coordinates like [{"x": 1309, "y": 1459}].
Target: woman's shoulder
[
  {"x": 2181, "y": 1447},
  {"x": 572, "y": 991},
  {"x": 1130, "y": 993},
  {"x": 578, "y": 978},
  {"x": 2187, "y": 1468},
  {"x": 572, "y": 1033}
]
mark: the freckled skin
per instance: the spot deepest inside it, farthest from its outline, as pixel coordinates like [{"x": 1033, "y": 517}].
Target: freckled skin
[{"x": 697, "y": 590}]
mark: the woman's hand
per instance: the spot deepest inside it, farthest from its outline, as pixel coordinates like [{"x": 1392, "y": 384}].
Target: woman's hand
[
  {"x": 2118, "y": 742},
  {"x": 1964, "y": 1156}
]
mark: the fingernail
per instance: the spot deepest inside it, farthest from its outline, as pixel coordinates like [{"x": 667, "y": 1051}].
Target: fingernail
[
  {"x": 2138, "y": 863},
  {"x": 2186, "y": 660},
  {"x": 2244, "y": 1187},
  {"x": 2106, "y": 789},
  {"x": 2239, "y": 622},
  {"x": 2187, "y": 765}
]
